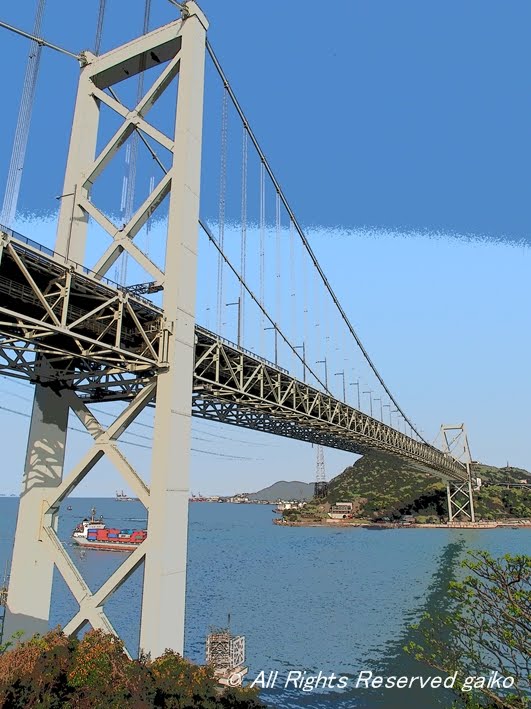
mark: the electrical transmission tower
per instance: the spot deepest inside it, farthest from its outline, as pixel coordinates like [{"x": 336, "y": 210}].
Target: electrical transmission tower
[{"x": 321, "y": 485}]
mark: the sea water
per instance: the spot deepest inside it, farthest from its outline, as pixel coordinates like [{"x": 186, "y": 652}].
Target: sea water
[{"x": 307, "y": 599}]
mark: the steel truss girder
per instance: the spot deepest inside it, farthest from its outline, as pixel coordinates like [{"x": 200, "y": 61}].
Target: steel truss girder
[
  {"x": 232, "y": 386},
  {"x": 74, "y": 319},
  {"x": 93, "y": 380},
  {"x": 222, "y": 371},
  {"x": 225, "y": 374}
]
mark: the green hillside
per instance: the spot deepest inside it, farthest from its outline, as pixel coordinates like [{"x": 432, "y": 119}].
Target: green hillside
[
  {"x": 496, "y": 502},
  {"x": 489, "y": 474},
  {"x": 386, "y": 487}
]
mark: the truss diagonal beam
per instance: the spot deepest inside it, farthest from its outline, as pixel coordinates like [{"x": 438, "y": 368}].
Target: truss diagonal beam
[
  {"x": 227, "y": 374},
  {"x": 33, "y": 285}
]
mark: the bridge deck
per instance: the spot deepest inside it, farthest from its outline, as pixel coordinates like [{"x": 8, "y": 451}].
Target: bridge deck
[{"x": 107, "y": 343}]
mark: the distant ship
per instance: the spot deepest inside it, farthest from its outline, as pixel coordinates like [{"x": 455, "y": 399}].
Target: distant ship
[
  {"x": 197, "y": 498},
  {"x": 122, "y": 497},
  {"x": 94, "y": 534}
]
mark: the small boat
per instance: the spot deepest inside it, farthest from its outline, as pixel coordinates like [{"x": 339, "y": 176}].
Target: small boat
[
  {"x": 69, "y": 507},
  {"x": 122, "y": 497},
  {"x": 94, "y": 534}
]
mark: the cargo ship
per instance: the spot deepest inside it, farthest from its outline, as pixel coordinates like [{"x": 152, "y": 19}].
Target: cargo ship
[{"x": 94, "y": 534}]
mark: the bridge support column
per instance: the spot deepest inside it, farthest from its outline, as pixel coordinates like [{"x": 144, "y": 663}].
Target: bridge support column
[
  {"x": 30, "y": 583},
  {"x": 459, "y": 493},
  {"x": 163, "y": 601},
  {"x": 460, "y": 500}
]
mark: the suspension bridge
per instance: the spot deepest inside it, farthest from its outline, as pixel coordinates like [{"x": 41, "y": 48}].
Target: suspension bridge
[{"x": 134, "y": 305}]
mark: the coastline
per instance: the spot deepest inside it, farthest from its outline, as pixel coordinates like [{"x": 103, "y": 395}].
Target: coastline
[{"x": 500, "y": 524}]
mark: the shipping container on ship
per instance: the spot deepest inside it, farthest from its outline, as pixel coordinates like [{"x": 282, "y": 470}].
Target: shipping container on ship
[{"x": 94, "y": 534}]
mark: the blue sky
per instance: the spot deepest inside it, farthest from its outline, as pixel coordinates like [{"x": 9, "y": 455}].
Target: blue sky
[
  {"x": 399, "y": 133},
  {"x": 407, "y": 115}
]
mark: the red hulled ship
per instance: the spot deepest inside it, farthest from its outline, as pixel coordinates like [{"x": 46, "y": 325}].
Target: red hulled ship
[{"x": 94, "y": 534}]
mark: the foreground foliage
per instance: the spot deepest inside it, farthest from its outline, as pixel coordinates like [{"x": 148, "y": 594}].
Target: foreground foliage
[
  {"x": 57, "y": 672},
  {"x": 487, "y": 630}
]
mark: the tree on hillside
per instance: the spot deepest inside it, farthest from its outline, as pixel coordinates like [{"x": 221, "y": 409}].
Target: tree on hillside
[{"x": 486, "y": 633}]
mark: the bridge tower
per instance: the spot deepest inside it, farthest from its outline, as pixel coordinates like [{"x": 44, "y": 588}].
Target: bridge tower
[
  {"x": 82, "y": 367},
  {"x": 459, "y": 494},
  {"x": 321, "y": 485}
]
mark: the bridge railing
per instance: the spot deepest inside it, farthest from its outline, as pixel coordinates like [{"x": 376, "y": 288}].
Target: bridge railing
[
  {"x": 17, "y": 236},
  {"x": 241, "y": 349}
]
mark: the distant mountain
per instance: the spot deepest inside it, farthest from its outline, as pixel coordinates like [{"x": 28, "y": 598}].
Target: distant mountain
[{"x": 283, "y": 490}]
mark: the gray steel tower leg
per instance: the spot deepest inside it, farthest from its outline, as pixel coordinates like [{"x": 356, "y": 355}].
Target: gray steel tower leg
[
  {"x": 449, "y": 501},
  {"x": 471, "y": 498},
  {"x": 165, "y": 570},
  {"x": 460, "y": 500},
  {"x": 30, "y": 583}
]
